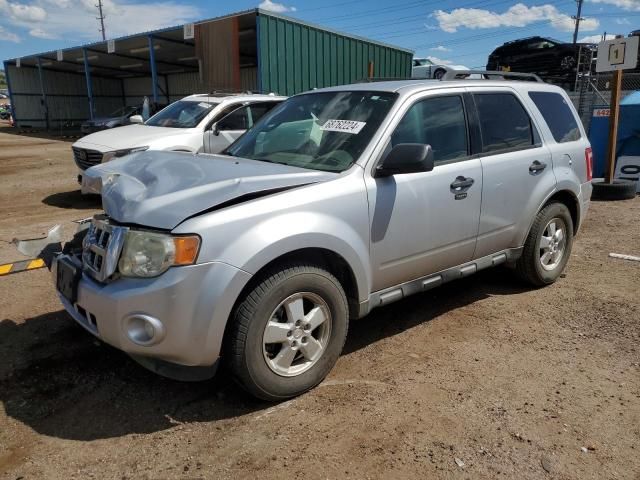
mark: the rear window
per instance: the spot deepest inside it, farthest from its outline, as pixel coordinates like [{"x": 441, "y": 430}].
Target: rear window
[
  {"x": 504, "y": 123},
  {"x": 558, "y": 115}
]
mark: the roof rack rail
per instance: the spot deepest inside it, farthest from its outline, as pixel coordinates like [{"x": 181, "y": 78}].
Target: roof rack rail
[
  {"x": 490, "y": 74},
  {"x": 386, "y": 79}
]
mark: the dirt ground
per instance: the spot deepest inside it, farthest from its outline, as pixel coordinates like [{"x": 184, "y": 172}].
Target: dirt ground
[{"x": 480, "y": 379}]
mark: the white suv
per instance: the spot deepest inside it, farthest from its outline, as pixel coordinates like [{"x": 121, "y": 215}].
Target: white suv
[{"x": 199, "y": 123}]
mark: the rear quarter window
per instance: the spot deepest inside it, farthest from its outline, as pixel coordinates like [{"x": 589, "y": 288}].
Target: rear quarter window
[{"x": 558, "y": 115}]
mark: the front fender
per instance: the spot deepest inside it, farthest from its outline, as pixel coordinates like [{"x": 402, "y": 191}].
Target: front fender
[{"x": 277, "y": 236}]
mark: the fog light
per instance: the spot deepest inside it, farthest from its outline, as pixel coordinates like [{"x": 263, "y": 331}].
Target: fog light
[{"x": 144, "y": 330}]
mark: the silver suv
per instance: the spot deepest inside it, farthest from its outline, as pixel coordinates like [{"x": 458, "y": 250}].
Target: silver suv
[{"x": 338, "y": 201}]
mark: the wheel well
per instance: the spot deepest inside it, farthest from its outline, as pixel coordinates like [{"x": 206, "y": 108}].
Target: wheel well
[
  {"x": 571, "y": 202},
  {"x": 323, "y": 258}
]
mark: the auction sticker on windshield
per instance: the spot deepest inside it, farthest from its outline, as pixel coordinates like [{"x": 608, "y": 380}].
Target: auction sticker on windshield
[{"x": 344, "y": 126}]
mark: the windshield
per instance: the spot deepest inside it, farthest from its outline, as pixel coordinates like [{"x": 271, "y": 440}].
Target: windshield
[
  {"x": 320, "y": 131},
  {"x": 181, "y": 114}
]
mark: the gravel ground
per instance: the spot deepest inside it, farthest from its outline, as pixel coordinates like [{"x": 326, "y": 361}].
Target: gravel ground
[{"x": 483, "y": 378}]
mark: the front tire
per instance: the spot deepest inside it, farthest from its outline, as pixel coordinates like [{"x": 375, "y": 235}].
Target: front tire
[
  {"x": 287, "y": 332},
  {"x": 439, "y": 73},
  {"x": 548, "y": 246}
]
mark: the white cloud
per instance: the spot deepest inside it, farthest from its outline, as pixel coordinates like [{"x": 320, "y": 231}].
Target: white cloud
[
  {"x": 40, "y": 33},
  {"x": 518, "y": 15},
  {"x": 623, "y": 21},
  {"x": 440, "y": 48},
  {"x": 77, "y": 18},
  {"x": 8, "y": 36},
  {"x": 595, "y": 38},
  {"x": 275, "y": 7},
  {"x": 623, "y": 4},
  {"x": 22, "y": 12}
]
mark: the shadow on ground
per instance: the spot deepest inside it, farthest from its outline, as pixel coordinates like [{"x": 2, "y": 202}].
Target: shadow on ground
[
  {"x": 60, "y": 381},
  {"x": 73, "y": 199}
]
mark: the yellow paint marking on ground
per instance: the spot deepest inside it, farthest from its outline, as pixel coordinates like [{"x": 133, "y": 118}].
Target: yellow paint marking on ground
[{"x": 4, "y": 269}]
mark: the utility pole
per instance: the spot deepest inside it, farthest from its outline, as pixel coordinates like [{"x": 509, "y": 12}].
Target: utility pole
[
  {"x": 101, "y": 18},
  {"x": 577, "y": 18}
]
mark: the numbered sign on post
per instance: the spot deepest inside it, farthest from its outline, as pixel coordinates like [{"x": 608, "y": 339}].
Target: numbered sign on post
[
  {"x": 59, "y": 55},
  {"x": 618, "y": 54},
  {"x": 111, "y": 46}
]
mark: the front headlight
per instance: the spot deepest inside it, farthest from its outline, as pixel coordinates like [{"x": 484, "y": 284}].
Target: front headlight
[
  {"x": 121, "y": 153},
  {"x": 149, "y": 254}
]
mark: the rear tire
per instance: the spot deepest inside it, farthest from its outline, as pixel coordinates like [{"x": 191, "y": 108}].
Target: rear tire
[
  {"x": 439, "y": 73},
  {"x": 287, "y": 332},
  {"x": 617, "y": 190},
  {"x": 548, "y": 246}
]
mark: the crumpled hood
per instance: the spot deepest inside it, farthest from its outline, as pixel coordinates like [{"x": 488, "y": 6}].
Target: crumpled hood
[
  {"x": 162, "y": 189},
  {"x": 128, "y": 136}
]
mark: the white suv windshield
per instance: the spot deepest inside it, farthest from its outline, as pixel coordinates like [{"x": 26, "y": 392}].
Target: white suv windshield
[
  {"x": 321, "y": 131},
  {"x": 181, "y": 114}
]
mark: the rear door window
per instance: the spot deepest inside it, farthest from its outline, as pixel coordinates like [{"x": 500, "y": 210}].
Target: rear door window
[
  {"x": 558, "y": 115},
  {"x": 504, "y": 123}
]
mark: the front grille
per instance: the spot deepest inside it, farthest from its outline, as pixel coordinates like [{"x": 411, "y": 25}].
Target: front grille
[
  {"x": 101, "y": 248},
  {"x": 85, "y": 158}
]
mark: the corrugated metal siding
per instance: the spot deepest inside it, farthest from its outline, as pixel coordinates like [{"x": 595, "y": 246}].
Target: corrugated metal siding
[
  {"x": 296, "y": 57},
  {"x": 65, "y": 93},
  {"x": 183, "y": 84},
  {"x": 135, "y": 89}
]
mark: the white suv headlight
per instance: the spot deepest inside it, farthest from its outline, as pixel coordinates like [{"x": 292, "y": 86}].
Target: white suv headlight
[{"x": 149, "y": 254}]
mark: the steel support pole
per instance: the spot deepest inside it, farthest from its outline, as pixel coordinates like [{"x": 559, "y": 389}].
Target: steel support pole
[
  {"x": 43, "y": 95},
  {"x": 614, "y": 118},
  {"x": 87, "y": 76},
  {"x": 154, "y": 71}
]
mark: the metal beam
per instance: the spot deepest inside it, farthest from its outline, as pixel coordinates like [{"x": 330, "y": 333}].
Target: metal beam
[
  {"x": 8, "y": 80},
  {"x": 101, "y": 67},
  {"x": 171, "y": 40},
  {"x": 57, "y": 70},
  {"x": 44, "y": 97},
  {"x": 134, "y": 57},
  {"x": 154, "y": 71},
  {"x": 87, "y": 75}
]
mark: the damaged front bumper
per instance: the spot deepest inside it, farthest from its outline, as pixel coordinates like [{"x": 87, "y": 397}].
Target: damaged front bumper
[{"x": 176, "y": 318}]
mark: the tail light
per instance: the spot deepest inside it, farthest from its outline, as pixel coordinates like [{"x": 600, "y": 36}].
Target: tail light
[{"x": 588, "y": 158}]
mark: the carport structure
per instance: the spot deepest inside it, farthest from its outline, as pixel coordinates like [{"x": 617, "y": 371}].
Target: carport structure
[{"x": 255, "y": 50}]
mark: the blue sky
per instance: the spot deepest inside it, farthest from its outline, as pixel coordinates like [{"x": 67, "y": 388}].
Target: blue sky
[{"x": 455, "y": 31}]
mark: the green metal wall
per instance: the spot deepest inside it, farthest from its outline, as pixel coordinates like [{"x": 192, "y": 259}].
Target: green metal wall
[{"x": 294, "y": 57}]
